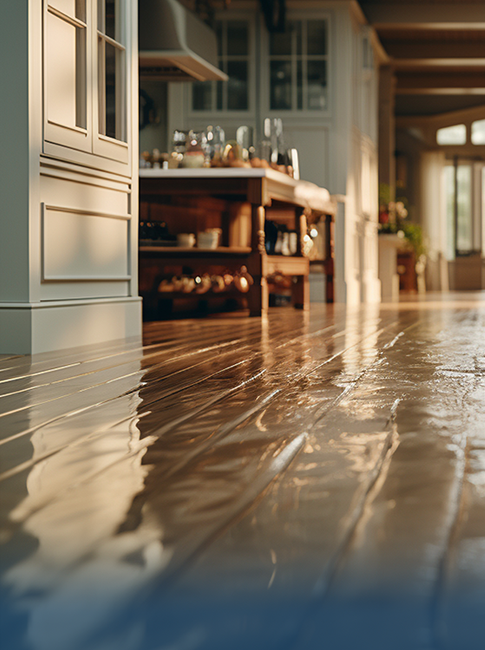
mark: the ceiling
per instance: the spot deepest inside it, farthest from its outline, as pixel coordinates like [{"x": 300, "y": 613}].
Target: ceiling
[{"x": 437, "y": 51}]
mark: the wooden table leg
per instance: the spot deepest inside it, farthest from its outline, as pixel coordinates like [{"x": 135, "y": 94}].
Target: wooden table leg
[
  {"x": 329, "y": 263},
  {"x": 300, "y": 293},
  {"x": 258, "y": 298}
]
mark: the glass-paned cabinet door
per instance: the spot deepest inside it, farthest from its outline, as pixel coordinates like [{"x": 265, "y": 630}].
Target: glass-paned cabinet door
[
  {"x": 67, "y": 95},
  {"x": 110, "y": 137},
  {"x": 298, "y": 60},
  {"x": 234, "y": 44}
]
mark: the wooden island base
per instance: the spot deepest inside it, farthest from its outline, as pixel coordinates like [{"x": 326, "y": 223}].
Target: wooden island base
[{"x": 238, "y": 201}]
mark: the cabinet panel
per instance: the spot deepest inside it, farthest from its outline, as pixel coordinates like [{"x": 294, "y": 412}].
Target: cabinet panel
[
  {"x": 84, "y": 197},
  {"x": 61, "y": 71},
  {"x": 313, "y": 149},
  {"x": 77, "y": 246},
  {"x": 67, "y": 118},
  {"x": 87, "y": 78},
  {"x": 68, "y": 7},
  {"x": 83, "y": 290}
]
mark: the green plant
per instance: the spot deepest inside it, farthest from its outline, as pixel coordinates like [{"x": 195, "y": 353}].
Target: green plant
[
  {"x": 413, "y": 233},
  {"x": 392, "y": 219},
  {"x": 386, "y": 194}
]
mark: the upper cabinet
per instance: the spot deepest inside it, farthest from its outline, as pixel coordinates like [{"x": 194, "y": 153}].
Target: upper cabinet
[
  {"x": 291, "y": 76},
  {"x": 67, "y": 119},
  {"x": 86, "y": 80},
  {"x": 110, "y": 138},
  {"x": 235, "y": 98},
  {"x": 297, "y": 62}
]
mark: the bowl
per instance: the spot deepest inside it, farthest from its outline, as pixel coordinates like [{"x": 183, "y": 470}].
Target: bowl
[
  {"x": 208, "y": 239},
  {"x": 186, "y": 240}
]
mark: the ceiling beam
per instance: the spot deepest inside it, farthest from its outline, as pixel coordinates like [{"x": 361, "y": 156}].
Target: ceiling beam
[
  {"x": 433, "y": 81},
  {"x": 442, "y": 119},
  {"x": 410, "y": 64},
  {"x": 435, "y": 49},
  {"x": 440, "y": 91},
  {"x": 426, "y": 15}
]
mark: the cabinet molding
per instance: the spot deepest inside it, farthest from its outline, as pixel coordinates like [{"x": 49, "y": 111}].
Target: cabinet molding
[{"x": 84, "y": 246}]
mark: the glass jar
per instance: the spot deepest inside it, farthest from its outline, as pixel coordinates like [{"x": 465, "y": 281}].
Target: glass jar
[{"x": 195, "y": 150}]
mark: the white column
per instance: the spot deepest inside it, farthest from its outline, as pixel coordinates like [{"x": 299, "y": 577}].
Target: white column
[
  {"x": 388, "y": 247},
  {"x": 433, "y": 218}
]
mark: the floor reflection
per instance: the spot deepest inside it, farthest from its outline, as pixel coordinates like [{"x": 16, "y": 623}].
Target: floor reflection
[
  {"x": 79, "y": 489},
  {"x": 263, "y": 484}
]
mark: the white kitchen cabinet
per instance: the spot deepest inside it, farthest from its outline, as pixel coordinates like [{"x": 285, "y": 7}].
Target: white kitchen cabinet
[
  {"x": 87, "y": 82},
  {"x": 69, "y": 218}
]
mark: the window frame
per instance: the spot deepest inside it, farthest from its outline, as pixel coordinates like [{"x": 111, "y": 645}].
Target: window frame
[
  {"x": 227, "y": 114},
  {"x": 266, "y": 58},
  {"x": 455, "y": 144},
  {"x": 475, "y": 144},
  {"x": 477, "y": 207}
]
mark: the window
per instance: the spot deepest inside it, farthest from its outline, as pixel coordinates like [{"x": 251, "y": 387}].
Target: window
[
  {"x": 298, "y": 66},
  {"x": 451, "y": 135},
  {"x": 464, "y": 197},
  {"x": 449, "y": 189},
  {"x": 233, "y": 41},
  {"x": 478, "y": 132},
  {"x": 464, "y": 222}
]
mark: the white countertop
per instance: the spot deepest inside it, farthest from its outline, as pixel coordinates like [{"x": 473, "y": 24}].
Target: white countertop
[
  {"x": 318, "y": 198},
  {"x": 214, "y": 172}
]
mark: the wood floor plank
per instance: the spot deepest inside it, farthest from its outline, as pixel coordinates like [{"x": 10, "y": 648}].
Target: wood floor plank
[
  {"x": 203, "y": 481},
  {"x": 268, "y": 483},
  {"x": 9, "y": 464}
]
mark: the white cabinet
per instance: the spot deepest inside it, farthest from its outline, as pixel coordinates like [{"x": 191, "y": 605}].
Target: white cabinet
[
  {"x": 67, "y": 120},
  {"x": 69, "y": 219},
  {"x": 87, "y": 82}
]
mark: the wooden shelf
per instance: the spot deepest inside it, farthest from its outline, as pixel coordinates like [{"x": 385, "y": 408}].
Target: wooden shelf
[
  {"x": 288, "y": 265},
  {"x": 179, "y": 251},
  {"x": 263, "y": 190},
  {"x": 179, "y": 295}
]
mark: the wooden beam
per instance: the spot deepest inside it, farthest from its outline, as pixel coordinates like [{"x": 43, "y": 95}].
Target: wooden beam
[
  {"x": 440, "y": 91},
  {"x": 440, "y": 80},
  {"x": 387, "y": 128},
  {"x": 435, "y": 49},
  {"x": 440, "y": 84},
  {"x": 426, "y": 15},
  {"x": 411, "y": 64},
  {"x": 442, "y": 119}
]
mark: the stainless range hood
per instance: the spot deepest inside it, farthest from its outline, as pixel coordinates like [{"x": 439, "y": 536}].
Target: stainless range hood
[{"x": 175, "y": 45}]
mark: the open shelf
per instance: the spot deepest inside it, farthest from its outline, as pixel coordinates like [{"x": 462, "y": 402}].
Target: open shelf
[
  {"x": 288, "y": 265},
  {"x": 178, "y": 251}
]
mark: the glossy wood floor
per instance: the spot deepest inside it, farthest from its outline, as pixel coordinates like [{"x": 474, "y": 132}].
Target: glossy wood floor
[{"x": 308, "y": 481}]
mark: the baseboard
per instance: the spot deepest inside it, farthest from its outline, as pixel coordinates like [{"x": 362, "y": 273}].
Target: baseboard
[{"x": 32, "y": 328}]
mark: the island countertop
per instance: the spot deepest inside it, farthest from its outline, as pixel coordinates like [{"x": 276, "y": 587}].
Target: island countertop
[{"x": 279, "y": 185}]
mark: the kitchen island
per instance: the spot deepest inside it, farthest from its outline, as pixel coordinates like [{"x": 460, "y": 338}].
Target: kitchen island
[{"x": 238, "y": 201}]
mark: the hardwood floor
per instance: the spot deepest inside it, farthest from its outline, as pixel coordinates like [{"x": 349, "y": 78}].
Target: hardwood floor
[{"x": 310, "y": 480}]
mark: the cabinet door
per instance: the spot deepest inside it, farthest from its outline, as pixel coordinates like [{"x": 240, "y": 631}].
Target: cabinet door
[
  {"x": 110, "y": 134},
  {"x": 67, "y": 95}
]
